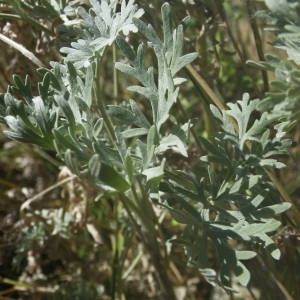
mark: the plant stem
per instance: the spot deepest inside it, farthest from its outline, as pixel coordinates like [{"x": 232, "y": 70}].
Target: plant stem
[
  {"x": 258, "y": 41},
  {"x": 203, "y": 86},
  {"x": 107, "y": 121},
  {"x": 159, "y": 259},
  {"x": 115, "y": 74},
  {"x": 26, "y": 205},
  {"x": 223, "y": 15},
  {"x": 271, "y": 275},
  {"x": 159, "y": 255},
  {"x": 21, "y": 49},
  {"x": 195, "y": 136},
  {"x": 10, "y": 16},
  {"x": 117, "y": 251},
  {"x": 146, "y": 216}
]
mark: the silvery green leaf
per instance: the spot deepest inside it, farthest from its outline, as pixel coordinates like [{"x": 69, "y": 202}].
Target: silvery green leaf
[
  {"x": 248, "y": 135},
  {"x": 173, "y": 142},
  {"x": 245, "y": 255},
  {"x": 269, "y": 245},
  {"x": 149, "y": 32},
  {"x": 139, "y": 117},
  {"x": 258, "y": 199},
  {"x": 94, "y": 166},
  {"x": 234, "y": 232},
  {"x": 20, "y": 131},
  {"x": 67, "y": 111},
  {"x": 270, "y": 211},
  {"x": 269, "y": 162},
  {"x": 107, "y": 155},
  {"x": 257, "y": 228},
  {"x": 42, "y": 115},
  {"x": 145, "y": 91},
  {"x": 22, "y": 87},
  {"x": 101, "y": 27},
  {"x": 167, "y": 25},
  {"x": 126, "y": 49},
  {"x": 87, "y": 89},
  {"x": 183, "y": 61},
  {"x": 122, "y": 114},
  {"x": 242, "y": 274},
  {"x": 113, "y": 179},
  {"x": 210, "y": 275},
  {"x": 134, "y": 132},
  {"x": 72, "y": 162},
  {"x": 179, "y": 80},
  {"x": 125, "y": 69},
  {"x": 155, "y": 174},
  {"x": 161, "y": 94},
  {"x": 80, "y": 53},
  {"x": 152, "y": 140}
]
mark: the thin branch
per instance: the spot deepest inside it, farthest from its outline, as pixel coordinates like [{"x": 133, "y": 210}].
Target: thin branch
[
  {"x": 205, "y": 87},
  {"x": 98, "y": 93},
  {"x": 26, "y": 205},
  {"x": 21, "y": 49},
  {"x": 258, "y": 41},
  {"x": 223, "y": 15},
  {"x": 10, "y": 16},
  {"x": 271, "y": 275}
]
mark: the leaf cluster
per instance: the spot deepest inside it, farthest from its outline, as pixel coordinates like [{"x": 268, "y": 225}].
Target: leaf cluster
[
  {"x": 283, "y": 17},
  {"x": 235, "y": 202},
  {"x": 116, "y": 147},
  {"x": 100, "y": 26}
]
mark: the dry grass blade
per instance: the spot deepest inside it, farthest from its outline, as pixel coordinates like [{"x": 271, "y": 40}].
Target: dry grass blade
[
  {"x": 21, "y": 49},
  {"x": 26, "y": 205},
  {"x": 206, "y": 88}
]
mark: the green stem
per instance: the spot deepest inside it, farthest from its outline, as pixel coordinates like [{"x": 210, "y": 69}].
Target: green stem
[
  {"x": 147, "y": 218},
  {"x": 141, "y": 206},
  {"x": 118, "y": 248},
  {"x": 223, "y": 15},
  {"x": 194, "y": 134},
  {"x": 10, "y": 16},
  {"x": 258, "y": 42},
  {"x": 133, "y": 265},
  {"x": 294, "y": 185},
  {"x": 203, "y": 86},
  {"x": 272, "y": 276},
  {"x": 126, "y": 201},
  {"x": 115, "y": 74},
  {"x": 144, "y": 212},
  {"x": 158, "y": 254},
  {"x": 98, "y": 93}
]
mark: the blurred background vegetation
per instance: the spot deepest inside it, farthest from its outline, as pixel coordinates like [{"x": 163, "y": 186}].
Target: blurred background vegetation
[{"x": 78, "y": 244}]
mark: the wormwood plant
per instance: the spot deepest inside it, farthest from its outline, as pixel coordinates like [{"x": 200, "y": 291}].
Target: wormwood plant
[
  {"x": 283, "y": 18},
  {"x": 122, "y": 151}
]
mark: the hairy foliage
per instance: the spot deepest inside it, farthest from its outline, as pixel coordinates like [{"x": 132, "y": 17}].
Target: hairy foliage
[
  {"x": 39, "y": 8},
  {"x": 283, "y": 18},
  {"x": 233, "y": 203},
  {"x": 100, "y": 27}
]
